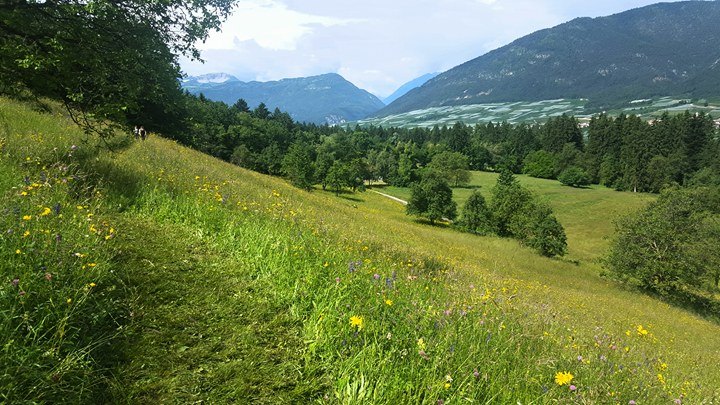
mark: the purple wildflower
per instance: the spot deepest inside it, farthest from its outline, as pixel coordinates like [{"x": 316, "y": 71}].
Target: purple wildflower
[
  {"x": 476, "y": 373},
  {"x": 573, "y": 388},
  {"x": 632, "y": 402},
  {"x": 376, "y": 276}
]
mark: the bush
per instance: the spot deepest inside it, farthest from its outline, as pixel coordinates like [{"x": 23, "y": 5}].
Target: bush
[{"x": 574, "y": 177}]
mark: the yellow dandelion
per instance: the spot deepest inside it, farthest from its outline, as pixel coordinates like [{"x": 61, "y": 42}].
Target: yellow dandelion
[
  {"x": 45, "y": 212},
  {"x": 641, "y": 331},
  {"x": 69, "y": 301},
  {"x": 27, "y": 233},
  {"x": 92, "y": 264},
  {"x": 27, "y": 217},
  {"x": 563, "y": 378},
  {"x": 661, "y": 379},
  {"x": 388, "y": 302},
  {"x": 92, "y": 285},
  {"x": 356, "y": 321},
  {"x": 18, "y": 251}
]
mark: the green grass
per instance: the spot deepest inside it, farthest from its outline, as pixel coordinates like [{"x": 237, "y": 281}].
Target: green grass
[
  {"x": 586, "y": 213},
  {"x": 226, "y": 286}
]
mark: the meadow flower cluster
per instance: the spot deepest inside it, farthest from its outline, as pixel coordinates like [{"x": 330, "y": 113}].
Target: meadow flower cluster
[{"x": 55, "y": 251}]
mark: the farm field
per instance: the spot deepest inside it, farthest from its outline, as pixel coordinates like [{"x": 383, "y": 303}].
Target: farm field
[
  {"x": 179, "y": 278},
  {"x": 534, "y": 112}
]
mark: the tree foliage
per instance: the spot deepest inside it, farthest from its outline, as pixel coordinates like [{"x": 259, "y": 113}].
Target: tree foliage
[
  {"x": 574, "y": 177},
  {"x": 107, "y": 60},
  {"x": 476, "y": 217},
  {"x": 431, "y": 198},
  {"x": 670, "y": 248},
  {"x": 452, "y": 166}
]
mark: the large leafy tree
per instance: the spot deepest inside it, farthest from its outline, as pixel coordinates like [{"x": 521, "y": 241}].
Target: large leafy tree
[
  {"x": 106, "y": 60},
  {"x": 431, "y": 198},
  {"x": 670, "y": 248}
]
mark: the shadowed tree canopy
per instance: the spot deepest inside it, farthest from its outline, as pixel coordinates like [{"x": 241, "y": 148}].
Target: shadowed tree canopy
[{"x": 105, "y": 59}]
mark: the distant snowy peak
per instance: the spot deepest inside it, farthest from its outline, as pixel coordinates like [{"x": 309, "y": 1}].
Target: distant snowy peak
[{"x": 211, "y": 78}]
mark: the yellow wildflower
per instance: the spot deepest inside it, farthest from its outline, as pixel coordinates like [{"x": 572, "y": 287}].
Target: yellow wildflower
[
  {"x": 421, "y": 344},
  {"x": 356, "y": 321},
  {"x": 45, "y": 212},
  {"x": 388, "y": 302},
  {"x": 563, "y": 378},
  {"x": 641, "y": 331},
  {"x": 27, "y": 217},
  {"x": 92, "y": 284}
]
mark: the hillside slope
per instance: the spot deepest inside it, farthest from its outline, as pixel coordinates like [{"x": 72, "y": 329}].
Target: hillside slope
[
  {"x": 257, "y": 292},
  {"x": 664, "y": 49},
  {"x": 323, "y": 99}
]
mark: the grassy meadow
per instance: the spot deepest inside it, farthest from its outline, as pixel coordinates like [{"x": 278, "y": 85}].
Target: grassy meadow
[{"x": 153, "y": 273}]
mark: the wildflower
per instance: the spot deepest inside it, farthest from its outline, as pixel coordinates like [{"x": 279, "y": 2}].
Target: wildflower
[
  {"x": 580, "y": 358},
  {"x": 337, "y": 280},
  {"x": 92, "y": 285},
  {"x": 18, "y": 251},
  {"x": 48, "y": 276},
  {"x": 356, "y": 321},
  {"x": 641, "y": 331},
  {"x": 661, "y": 379},
  {"x": 45, "y": 212},
  {"x": 15, "y": 282},
  {"x": 56, "y": 208},
  {"x": 376, "y": 276},
  {"x": 563, "y": 378},
  {"x": 69, "y": 301},
  {"x": 421, "y": 344},
  {"x": 632, "y": 402},
  {"x": 447, "y": 312},
  {"x": 677, "y": 401},
  {"x": 388, "y": 302},
  {"x": 26, "y": 233},
  {"x": 573, "y": 388},
  {"x": 27, "y": 217},
  {"x": 476, "y": 373}
]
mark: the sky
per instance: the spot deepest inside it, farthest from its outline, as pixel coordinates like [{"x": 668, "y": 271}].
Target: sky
[{"x": 378, "y": 45}]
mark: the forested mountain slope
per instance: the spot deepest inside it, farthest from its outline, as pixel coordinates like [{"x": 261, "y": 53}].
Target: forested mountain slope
[{"x": 658, "y": 50}]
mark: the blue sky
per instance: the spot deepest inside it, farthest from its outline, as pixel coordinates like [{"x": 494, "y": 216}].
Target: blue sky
[{"x": 376, "y": 44}]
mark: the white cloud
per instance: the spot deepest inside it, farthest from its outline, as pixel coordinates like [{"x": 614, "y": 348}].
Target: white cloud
[{"x": 269, "y": 23}]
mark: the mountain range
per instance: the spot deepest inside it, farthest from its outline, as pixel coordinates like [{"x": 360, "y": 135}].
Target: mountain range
[
  {"x": 666, "y": 49},
  {"x": 323, "y": 99}
]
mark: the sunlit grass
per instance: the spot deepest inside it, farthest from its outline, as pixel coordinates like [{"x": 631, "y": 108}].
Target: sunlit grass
[{"x": 241, "y": 288}]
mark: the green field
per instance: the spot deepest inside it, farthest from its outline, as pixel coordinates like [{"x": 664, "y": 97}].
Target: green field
[{"x": 154, "y": 273}]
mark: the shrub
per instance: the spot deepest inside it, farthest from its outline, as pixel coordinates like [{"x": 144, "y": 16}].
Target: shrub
[{"x": 574, "y": 177}]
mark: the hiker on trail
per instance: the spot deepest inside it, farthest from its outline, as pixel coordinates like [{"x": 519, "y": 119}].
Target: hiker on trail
[
  {"x": 136, "y": 132},
  {"x": 143, "y": 133}
]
